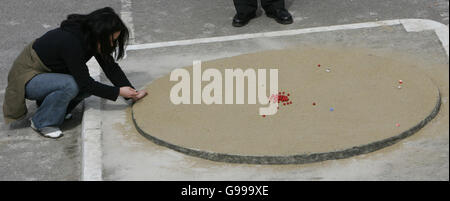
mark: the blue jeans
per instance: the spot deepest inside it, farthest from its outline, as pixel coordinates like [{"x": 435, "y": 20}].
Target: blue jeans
[{"x": 56, "y": 95}]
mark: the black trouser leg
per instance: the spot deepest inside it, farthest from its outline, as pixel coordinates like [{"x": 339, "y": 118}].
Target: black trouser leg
[
  {"x": 271, "y": 5},
  {"x": 245, "y": 8}
]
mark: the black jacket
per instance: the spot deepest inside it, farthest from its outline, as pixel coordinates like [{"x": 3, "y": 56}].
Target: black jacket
[{"x": 64, "y": 50}]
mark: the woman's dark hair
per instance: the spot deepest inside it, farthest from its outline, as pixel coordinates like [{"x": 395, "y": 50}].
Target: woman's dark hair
[{"x": 99, "y": 27}]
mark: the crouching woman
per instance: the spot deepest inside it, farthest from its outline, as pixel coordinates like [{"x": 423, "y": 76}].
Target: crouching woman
[{"x": 52, "y": 70}]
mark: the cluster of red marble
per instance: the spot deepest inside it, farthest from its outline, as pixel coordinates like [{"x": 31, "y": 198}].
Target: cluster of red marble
[{"x": 281, "y": 98}]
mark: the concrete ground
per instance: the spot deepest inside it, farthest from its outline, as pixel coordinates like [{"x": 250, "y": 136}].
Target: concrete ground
[
  {"x": 129, "y": 156},
  {"x": 26, "y": 156}
]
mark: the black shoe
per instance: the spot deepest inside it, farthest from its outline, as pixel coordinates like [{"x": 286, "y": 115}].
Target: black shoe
[
  {"x": 282, "y": 16},
  {"x": 238, "y": 22}
]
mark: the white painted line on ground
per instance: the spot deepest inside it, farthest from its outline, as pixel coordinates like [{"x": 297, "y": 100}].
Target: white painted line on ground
[
  {"x": 409, "y": 24},
  {"x": 127, "y": 16},
  {"x": 91, "y": 123},
  {"x": 94, "y": 68},
  {"x": 91, "y": 137},
  {"x": 417, "y": 25},
  {"x": 91, "y": 132}
]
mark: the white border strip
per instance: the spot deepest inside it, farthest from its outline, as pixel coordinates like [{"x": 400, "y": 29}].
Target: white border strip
[
  {"x": 417, "y": 25},
  {"x": 411, "y": 25},
  {"x": 91, "y": 133},
  {"x": 91, "y": 123}
]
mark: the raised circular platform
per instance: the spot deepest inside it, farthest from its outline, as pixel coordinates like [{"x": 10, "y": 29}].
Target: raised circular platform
[{"x": 344, "y": 103}]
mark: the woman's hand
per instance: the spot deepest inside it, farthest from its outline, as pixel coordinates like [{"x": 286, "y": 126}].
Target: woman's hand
[
  {"x": 141, "y": 94},
  {"x": 128, "y": 92}
]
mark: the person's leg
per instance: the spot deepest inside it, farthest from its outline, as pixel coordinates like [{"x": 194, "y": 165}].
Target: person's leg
[
  {"x": 77, "y": 100},
  {"x": 272, "y": 5},
  {"x": 54, "y": 91},
  {"x": 276, "y": 9},
  {"x": 245, "y": 11},
  {"x": 245, "y": 8},
  {"x": 73, "y": 103}
]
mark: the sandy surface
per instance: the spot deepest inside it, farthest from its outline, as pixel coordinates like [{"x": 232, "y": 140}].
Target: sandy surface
[{"x": 360, "y": 87}]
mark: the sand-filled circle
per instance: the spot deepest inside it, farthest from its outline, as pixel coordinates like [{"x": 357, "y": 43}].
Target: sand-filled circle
[{"x": 344, "y": 103}]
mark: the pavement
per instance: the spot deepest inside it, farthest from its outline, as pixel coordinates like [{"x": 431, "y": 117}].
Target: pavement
[
  {"x": 424, "y": 156},
  {"x": 24, "y": 155}
]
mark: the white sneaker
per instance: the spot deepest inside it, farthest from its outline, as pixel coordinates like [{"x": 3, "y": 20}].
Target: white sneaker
[{"x": 48, "y": 132}]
